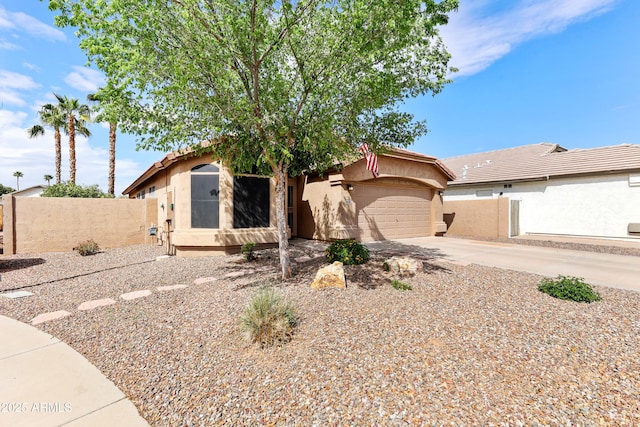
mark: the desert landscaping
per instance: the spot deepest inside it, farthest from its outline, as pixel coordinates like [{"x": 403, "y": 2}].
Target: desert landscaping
[{"x": 468, "y": 345}]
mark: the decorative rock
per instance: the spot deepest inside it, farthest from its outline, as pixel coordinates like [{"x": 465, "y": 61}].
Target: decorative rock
[
  {"x": 330, "y": 276},
  {"x": 89, "y": 305},
  {"x": 404, "y": 266},
  {"x": 17, "y": 294},
  {"x": 41, "y": 318},
  {"x": 135, "y": 294}
]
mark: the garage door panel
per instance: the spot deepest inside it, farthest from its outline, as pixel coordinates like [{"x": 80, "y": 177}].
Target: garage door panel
[{"x": 392, "y": 212}]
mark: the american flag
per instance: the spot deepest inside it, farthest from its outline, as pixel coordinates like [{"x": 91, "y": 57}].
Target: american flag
[{"x": 371, "y": 158}]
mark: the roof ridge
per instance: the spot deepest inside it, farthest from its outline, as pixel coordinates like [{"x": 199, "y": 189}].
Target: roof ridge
[
  {"x": 552, "y": 147},
  {"x": 606, "y": 147}
]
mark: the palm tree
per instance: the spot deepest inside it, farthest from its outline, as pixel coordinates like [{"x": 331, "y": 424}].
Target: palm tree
[
  {"x": 77, "y": 116},
  {"x": 18, "y": 175},
  {"x": 103, "y": 99},
  {"x": 48, "y": 178},
  {"x": 51, "y": 115}
]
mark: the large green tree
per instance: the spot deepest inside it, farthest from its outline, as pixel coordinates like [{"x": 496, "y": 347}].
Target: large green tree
[
  {"x": 277, "y": 86},
  {"x": 77, "y": 115}
]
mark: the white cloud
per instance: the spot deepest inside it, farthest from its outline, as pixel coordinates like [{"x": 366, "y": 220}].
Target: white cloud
[
  {"x": 84, "y": 79},
  {"x": 478, "y": 35},
  {"x": 22, "y": 22},
  {"x": 9, "y": 79},
  {"x": 30, "y": 66},
  {"x": 8, "y": 45},
  {"x": 10, "y": 97},
  {"x": 11, "y": 83},
  {"x": 36, "y": 157}
]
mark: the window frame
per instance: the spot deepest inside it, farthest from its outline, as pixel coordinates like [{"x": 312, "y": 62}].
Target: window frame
[{"x": 199, "y": 219}]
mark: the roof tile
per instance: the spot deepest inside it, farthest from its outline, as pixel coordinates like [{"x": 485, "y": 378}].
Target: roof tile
[{"x": 539, "y": 161}]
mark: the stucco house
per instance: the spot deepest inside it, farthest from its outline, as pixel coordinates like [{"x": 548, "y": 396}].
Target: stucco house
[
  {"x": 203, "y": 209},
  {"x": 580, "y": 192}
]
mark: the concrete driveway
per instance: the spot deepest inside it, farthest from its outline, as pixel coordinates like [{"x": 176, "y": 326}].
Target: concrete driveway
[{"x": 618, "y": 271}]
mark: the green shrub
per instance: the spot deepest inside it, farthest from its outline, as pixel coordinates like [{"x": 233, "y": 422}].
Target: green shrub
[
  {"x": 401, "y": 286},
  {"x": 247, "y": 251},
  {"x": 87, "y": 248},
  {"x": 67, "y": 189},
  {"x": 268, "y": 319},
  {"x": 5, "y": 190},
  {"x": 569, "y": 288},
  {"x": 348, "y": 251}
]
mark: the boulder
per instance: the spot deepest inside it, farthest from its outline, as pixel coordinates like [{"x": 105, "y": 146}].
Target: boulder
[
  {"x": 330, "y": 276},
  {"x": 402, "y": 265}
]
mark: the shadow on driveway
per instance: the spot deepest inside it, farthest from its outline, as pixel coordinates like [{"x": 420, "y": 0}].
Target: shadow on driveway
[{"x": 393, "y": 247}]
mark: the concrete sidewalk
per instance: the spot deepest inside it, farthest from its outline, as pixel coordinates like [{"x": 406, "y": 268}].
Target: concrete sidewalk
[
  {"x": 618, "y": 271},
  {"x": 44, "y": 382}
]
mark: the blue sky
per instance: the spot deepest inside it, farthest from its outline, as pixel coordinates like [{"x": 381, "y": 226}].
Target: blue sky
[{"x": 563, "y": 71}]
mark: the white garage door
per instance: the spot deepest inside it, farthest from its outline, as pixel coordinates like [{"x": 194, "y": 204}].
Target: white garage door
[{"x": 390, "y": 212}]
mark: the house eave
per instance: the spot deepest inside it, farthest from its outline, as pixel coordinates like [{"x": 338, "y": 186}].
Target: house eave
[{"x": 454, "y": 184}]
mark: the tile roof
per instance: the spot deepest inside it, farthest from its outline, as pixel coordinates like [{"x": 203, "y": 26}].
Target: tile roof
[
  {"x": 541, "y": 161},
  {"x": 176, "y": 156}
]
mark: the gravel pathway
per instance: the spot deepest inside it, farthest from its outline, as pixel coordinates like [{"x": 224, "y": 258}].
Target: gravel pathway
[{"x": 469, "y": 345}]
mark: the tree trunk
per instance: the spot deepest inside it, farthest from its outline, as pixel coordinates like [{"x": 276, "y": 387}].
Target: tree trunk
[
  {"x": 72, "y": 149},
  {"x": 112, "y": 157},
  {"x": 280, "y": 175},
  {"x": 58, "y": 156}
]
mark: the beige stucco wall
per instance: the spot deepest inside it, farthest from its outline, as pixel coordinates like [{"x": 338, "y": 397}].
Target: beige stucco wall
[
  {"x": 173, "y": 185},
  {"x": 48, "y": 224},
  {"x": 483, "y": 218},
  {"x": 326, "y": 210},
  {"x": 322, "y": 212}
]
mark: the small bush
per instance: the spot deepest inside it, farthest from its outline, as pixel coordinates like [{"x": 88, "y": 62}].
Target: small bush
[
  {"x": 348, "y": 251},
  {"x": 268, "y": 319},
  {"x": 87, "y": 248},
  {"x": 247, "y": 251},
  {"x": 401, "y": 286},
  {"x": 569, "y": 288}
]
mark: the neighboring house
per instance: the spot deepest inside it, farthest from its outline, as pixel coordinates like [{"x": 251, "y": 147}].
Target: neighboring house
[
  {"x": 203, "y": 209},
  {"x": 582, "y": 192},
  {"x": 34, "y": 191}
]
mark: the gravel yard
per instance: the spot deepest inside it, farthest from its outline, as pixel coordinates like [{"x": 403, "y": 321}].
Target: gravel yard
[{"x": 469, "y": 345}]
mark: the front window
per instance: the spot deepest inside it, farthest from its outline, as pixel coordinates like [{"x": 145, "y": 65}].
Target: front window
[
  {"x": 205, "y": 200},
  {"x": 251, "y": 202}
]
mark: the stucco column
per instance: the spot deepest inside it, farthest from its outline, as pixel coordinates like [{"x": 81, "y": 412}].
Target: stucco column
[
  {"x": 439, "y": 227},
  {"x": 9, "y": 224},
  {"x": 226, "y": 198}
]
